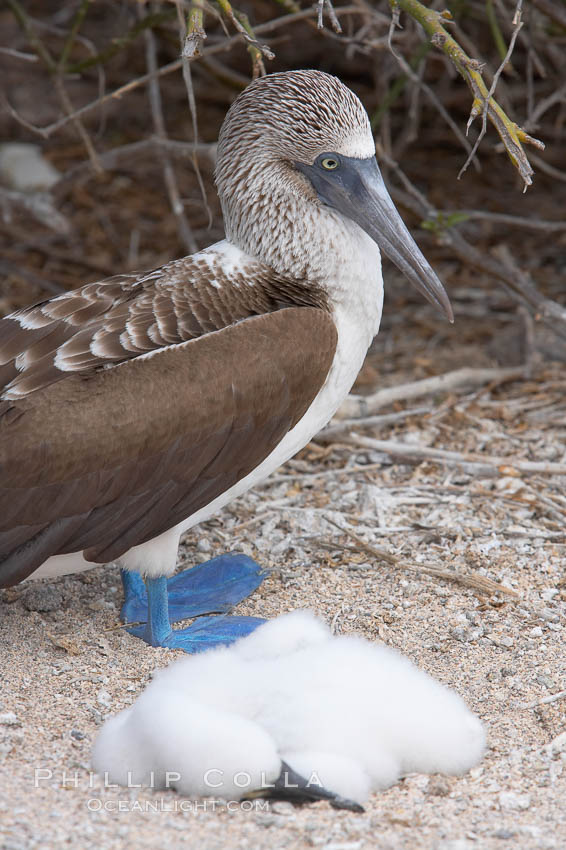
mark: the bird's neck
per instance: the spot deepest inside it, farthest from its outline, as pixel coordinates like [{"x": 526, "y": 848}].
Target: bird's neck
[{"x": 306, "y": 241}]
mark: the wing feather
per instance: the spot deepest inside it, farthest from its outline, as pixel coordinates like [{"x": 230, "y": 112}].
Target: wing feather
[
  {"x": 110, "y": 458},
  {"x": 118, "y": 319}
]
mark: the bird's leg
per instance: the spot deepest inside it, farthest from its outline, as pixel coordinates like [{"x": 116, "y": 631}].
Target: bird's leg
[
  {"x": 213, "y": 587},
  {"x": 158, "y": 627},
  {"x": 135, "y": 596}
]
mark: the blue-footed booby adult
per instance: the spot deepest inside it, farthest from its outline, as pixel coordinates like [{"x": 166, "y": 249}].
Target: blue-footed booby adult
[{"x": 138, "y": 406}]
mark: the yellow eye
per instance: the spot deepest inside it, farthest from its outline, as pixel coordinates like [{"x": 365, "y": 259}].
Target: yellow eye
[{"x": 330, "y": 163}]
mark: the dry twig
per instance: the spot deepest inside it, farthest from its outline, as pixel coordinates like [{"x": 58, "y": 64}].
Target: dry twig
[
  {"x": 183, "y": 226},
  {"x": 474, "y": 464},
  {"x": 195, "y": 36},
  {"x": 545, "y": 700},
  {"x": 474, "y": 581},
  {"x": 344, "y": 426},
  {"x": 327, "y": 4},
  {"x": 517, "y": 24},
  {"x": 426, "y": 89},
  {"x": 357, "y": 406}
]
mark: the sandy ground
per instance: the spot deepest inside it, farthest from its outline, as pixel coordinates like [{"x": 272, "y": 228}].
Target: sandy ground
[{"x": 66, "y": 664}]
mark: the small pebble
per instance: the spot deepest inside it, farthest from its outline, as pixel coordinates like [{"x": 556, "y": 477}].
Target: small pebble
[
  {"x": 8, "y": 718},
  {"x": 343, "y": 845},
  {"x": 504, "y": 834},
  {"x": 101, "y": 605},
  {"x": 104, "y": 698},
  {"x": 465, "y": 634},
  {"x": 549, "y": 615},
  {"x": 438, "y": 786},
  {"x": 269, "y": 820},
  {"x": 558, "y": 744},
  {"x": 42, "y": 598},
  {"x": 281, "y": 807},
  {"x": 513, "y": 801}
]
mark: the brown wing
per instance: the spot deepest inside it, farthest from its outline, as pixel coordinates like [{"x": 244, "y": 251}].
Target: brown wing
[
  {"x": 120, "y": 318},
  {"x": 108, "y": 460}
]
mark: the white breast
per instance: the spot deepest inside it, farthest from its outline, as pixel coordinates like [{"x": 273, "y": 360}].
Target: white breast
[{"x": 357, "y": 317}]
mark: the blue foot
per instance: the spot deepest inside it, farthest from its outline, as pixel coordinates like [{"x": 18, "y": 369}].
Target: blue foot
[
  {"x": 204, "y": 633},
  {"x": 215, "y": 586},
  {"x": 210, "y": 588}
]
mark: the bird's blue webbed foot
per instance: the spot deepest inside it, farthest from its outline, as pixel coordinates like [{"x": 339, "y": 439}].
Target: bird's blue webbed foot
[{"x": 213, "y": 587}]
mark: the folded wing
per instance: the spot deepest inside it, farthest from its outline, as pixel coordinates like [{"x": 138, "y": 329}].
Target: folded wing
[{"x": 106, "y": 457}]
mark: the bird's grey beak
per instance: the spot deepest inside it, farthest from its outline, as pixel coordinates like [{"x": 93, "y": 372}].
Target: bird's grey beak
[{"x": 356, "y": 189}]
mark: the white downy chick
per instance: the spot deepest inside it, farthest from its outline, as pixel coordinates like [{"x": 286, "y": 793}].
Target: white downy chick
[{"x": 345, "y": 714}]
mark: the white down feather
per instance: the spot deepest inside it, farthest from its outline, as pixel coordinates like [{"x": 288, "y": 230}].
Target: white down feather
[{"x": 353, "y": 715}]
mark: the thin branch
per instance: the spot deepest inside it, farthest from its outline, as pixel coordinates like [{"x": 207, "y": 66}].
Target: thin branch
[
  {"x": 126, "y": 155},
  {"x": 188, "y": 80},
  {"x": 552, "y": 10},
  {"x": 361, "y": 406},
  {"x": 183, "y": 226},
  {"x": 222, "y": 47},
  {"x": 321, "y": 6},
  {"x": 117, "y": 44},
  {"x": 512, "y": 136},
  {"x": 472, "y": 580},
  {"x": 427, "y": 90},
  {"x": 79, "y": 126},
  {"x": 545, "y": 700},
  {"x": 495, "y": 30},
  {"x": 336, "y": 429},
  {"x": 241, "y": 23},
  {"x": 448, "y": 217},
  {"x": 195, "y": 35},
  {"x": 549, "y": 169},
  {"x": 475, "y": 464},
  {"x": 557, "y": 96},
  {"x": 18, "y": 54},
  {"x": 485, "y": 108},
  {"x": 54, "y": 71},
  {"x": 73, "y": 32}
]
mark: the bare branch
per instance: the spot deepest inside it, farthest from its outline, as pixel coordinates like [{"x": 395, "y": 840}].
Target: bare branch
[
  {"x": 474, "y": 581},
  {"x": 184, "y": 228},
  {"x": 522, "y": 287},
  {"x": 196, "y": 35},
  {"x": 512, "y": 136},
  {"x": 475, "y": 464},
  {"x": 188, "y": 80},
  {"x": 426, "y": 89},
  {"x": 222, "y": 47},
  {"x": 361, "y": 406},
  {"x": 327, "y": 4},
  {"x": 485, "y": 109}
]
